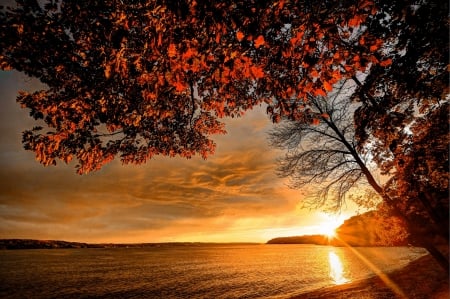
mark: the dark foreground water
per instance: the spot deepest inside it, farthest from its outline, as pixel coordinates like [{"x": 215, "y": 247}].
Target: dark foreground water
[{"x": 193, "y": 271}]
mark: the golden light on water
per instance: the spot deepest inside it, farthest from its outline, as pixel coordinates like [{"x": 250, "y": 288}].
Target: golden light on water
[{"x": 336, "y": 268}]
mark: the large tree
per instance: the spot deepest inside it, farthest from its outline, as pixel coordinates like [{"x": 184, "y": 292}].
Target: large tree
[
  {"x": 404, "y": 117},
  {"x": 323, "y": 157}
]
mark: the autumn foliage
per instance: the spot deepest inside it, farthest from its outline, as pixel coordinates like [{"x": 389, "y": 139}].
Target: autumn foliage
[
  {"x": 143, "y": 78},
  {"x": 404, "y": 118}
]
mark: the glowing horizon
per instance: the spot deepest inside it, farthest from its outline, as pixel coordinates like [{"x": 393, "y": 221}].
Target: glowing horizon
[{"x": 234, "y": 196}]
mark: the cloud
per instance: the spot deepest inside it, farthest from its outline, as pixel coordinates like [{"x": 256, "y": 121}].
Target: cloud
[{"x": 165, "y": 199}]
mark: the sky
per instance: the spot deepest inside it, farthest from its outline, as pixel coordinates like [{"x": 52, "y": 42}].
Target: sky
[{"x": 233, "y": 196}]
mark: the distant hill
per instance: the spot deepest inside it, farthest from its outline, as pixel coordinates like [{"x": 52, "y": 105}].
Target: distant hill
[
  {"x": 58, "y": 244},
  {"x": 308, "y": 239},
  {"x": 39, "y": 244},
  {"x": 54, "y": 244},
  {"x": 368, "y": 229}
]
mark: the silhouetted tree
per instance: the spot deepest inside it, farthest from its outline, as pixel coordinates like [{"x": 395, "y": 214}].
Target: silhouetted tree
[
  {"x": 402, "y": 122},
  {"x": 321, "y": 150},
  {"x": 404, "y": 118}
]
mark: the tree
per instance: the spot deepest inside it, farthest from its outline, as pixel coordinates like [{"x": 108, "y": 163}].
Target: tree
[
  {"x": 154, "y": 77},
  {"x": 321, "y": 150},
  {"x": 373, "y": 228},
  {"x": 419, "y": 186},
  {"x": 324, "y": 155},
  {"x": 404, "y": 118}
]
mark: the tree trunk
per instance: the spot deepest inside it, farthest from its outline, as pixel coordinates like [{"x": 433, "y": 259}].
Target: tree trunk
[
  {"x": 440, "y": 221},
  {"x": 442, "y": 260},
  {"x": 438, "y": 256}
]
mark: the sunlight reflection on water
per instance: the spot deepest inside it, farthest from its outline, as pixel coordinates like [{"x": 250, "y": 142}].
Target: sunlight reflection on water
[
  {"x": 336, "y": 268},
  {"x": 189, "y": 271}
]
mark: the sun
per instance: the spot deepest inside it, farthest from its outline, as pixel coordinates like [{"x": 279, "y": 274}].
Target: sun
[
  {"x": 329, "y": 230},
  {"x": 329, "y": 224}
]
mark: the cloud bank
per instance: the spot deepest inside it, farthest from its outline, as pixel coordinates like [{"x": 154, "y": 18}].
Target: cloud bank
[{"x": 233, "y": 196}]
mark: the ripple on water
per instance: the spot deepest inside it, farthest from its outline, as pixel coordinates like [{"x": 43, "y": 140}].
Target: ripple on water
[{"x": 219, "y": 271}]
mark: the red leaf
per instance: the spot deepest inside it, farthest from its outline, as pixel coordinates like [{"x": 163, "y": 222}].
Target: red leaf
[
  {"x": 189, "y": 53},
  {"x": 386, "y": 62},
  {"x": 319, "y": 92},
  {"x": 373, "y": 48},
  {"x": 314, "y": 73},
  {"x": 172, "y": 50},
  {"x": 180, "y": 86},
  {"x": 259, "y": 41},
  {"x": 240, "y": 36},
  {"x": 327, "y": 86},
  {"x": 257, "y": 72},
  {"x": 355, "y": 21}
]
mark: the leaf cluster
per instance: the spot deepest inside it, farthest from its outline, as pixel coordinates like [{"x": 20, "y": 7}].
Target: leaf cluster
[{"x": 143, "y": 78}]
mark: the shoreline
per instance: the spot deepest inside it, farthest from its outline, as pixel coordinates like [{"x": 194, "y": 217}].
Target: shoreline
[
  {"x": 420, "y": 279},
  {"x": 26, "y": 244}
]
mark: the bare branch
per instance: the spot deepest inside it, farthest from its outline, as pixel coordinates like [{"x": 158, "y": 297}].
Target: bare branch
[{"x": 322, "y": 156}]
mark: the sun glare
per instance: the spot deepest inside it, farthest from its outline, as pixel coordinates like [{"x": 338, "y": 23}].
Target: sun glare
[
  {"x": 330, "y": 232},
  {"x": 329, "y": 225}
]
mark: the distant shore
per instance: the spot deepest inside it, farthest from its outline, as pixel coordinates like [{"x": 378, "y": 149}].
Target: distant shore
[
  {"x": 421, "y": 279},
  {"x": 12, "y": 244}
]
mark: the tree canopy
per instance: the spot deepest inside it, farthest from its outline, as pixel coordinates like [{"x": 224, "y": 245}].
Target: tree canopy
[
  {"x": 401, "y": 121},
  {"x": 404, "y": 117},
  {"x": 144, "y": 78}
]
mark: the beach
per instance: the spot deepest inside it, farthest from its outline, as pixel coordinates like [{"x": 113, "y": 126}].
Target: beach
[{"x": 421, "y": 279}]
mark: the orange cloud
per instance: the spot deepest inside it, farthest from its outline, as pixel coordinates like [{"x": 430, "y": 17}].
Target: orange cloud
[{"x": 234, "y": 195}]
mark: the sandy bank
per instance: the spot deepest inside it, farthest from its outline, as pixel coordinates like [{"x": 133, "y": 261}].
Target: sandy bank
[{"x": 421, "y": 279}]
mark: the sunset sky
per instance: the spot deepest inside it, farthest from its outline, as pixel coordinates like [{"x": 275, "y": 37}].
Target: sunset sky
[{"x": 233, "y": 196}]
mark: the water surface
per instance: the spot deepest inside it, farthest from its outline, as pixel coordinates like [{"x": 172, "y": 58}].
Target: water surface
[{"x": 193, "y": 271}]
